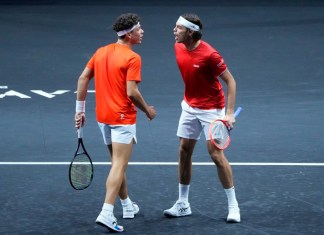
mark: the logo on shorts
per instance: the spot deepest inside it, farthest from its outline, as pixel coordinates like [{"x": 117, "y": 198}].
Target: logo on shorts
[{"x": 122, "y": 116}]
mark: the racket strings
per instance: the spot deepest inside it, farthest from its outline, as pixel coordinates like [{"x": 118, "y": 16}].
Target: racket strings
[
  {"x": 81, "y": 171},
  {"x": 220, "y": 134}
]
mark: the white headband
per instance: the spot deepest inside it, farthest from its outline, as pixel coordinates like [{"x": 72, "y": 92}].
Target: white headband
[
  {"x": 188, "y": 24},
  {"x": 123, "y": 32}
]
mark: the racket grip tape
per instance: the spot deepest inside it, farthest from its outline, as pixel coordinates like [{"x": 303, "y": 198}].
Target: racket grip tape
[
  {"x": 80, "y": 132},
  {"x": 237, "y": 112}
]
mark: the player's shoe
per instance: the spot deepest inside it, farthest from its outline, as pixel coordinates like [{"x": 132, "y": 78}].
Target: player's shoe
[
  {"x": 109, "y": 221},
  {"x": 130, "y": 210},
  {"x": 178, "y": 209},
  {"x": 234, "y": 214}
]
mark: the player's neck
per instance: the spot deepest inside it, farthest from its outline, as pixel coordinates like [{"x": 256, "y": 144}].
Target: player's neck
[
  {"x": 124, "y": 42},
  {"x": 192, "y": 45}
]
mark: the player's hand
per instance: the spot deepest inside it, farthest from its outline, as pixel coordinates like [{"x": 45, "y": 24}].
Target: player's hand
[
  {"x": 230, "y": 119},
  {"x": 151, "y": 113},
  {"x": 79, "y": 119}
]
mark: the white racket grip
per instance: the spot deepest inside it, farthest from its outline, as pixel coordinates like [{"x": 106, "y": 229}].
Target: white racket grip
[
  {"x": 237, "y": 112},
  {"x": 80, "y": 132}
]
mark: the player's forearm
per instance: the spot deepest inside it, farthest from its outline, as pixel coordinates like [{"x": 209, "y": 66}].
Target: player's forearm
[
  {"x": 139, "y": 101},
  {"x": 83, "y": 83},
  {"x": 82, "y": 88},
  {"x": 231, "y": 96}
]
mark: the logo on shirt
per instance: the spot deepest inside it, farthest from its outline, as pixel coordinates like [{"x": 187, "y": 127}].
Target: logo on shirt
[
  {"x": 196, "y": 66},
  {"x": 122, "y": 116},
  {"x": 220, "y": 63}
]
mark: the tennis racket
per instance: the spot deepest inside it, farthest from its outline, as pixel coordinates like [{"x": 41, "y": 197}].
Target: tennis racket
[
  {"x": 219, "y": 132},
  {"x": 81, "y": 168}
]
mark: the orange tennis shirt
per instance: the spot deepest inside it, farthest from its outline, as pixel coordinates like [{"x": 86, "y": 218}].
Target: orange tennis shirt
[{"x": 113, "y": 66}]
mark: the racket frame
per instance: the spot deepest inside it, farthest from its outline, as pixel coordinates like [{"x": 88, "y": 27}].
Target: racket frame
[
  {"x": 237, "y": 112},
  {"x": 77, "y": 153}
]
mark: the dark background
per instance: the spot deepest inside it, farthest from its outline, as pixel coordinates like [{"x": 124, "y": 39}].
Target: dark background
[{"x": 275, "y": 52}]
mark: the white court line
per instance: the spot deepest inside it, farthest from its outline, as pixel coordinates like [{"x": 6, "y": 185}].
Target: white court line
[{"x": 174, "y": 163}]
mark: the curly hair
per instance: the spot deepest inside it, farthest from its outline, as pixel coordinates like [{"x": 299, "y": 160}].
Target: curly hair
[
  {"x": 125, "y": 21},
  {"x": 193, "y": 18}
]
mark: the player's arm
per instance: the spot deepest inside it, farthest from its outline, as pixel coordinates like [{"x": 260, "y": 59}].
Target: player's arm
[
  {"x": 82, "y": 90},
  {"x": 135, "y": 95},
  {"x": 228, "y": 78}
]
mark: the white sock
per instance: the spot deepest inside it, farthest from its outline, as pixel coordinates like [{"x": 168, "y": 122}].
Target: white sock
[
  {"x": 231, "y": 198},
  {"x": 108, "y": 208},
  {"x": 126, "y": 201},
  {"x": 184, "y": 192}
]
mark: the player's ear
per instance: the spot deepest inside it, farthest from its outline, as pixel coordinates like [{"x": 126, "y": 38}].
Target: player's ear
[
  {"x": 191, "y": 32},
  {"x": 129, "y": 35}
]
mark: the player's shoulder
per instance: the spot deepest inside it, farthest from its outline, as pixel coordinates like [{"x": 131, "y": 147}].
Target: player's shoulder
[
  {"x": 210, "y": 50},
  {"x": 132, "y": 55},
  {"x": 180, "y": 49},
  {"x": 207, "y": 46},
  {"x": 102, "y": 49},
  {"x": 124, "y": 51}
]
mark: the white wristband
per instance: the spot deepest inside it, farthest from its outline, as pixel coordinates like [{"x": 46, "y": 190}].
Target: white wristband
[{"x": 80, "y": 106}]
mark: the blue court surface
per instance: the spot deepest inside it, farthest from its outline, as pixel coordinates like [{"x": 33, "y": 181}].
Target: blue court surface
[{"x": 275, "y": 50}]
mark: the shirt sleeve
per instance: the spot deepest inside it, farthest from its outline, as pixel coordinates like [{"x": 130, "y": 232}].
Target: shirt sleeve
[
  {"x": 134, "y": 69},
  {"x": 90, "y": 64},
  {"x": 218, "y": 63}
]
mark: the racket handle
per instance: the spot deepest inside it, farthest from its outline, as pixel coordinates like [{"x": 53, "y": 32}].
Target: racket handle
[
  {"x": 237, "y": 112},
  {"x": 80, "y": 132}
]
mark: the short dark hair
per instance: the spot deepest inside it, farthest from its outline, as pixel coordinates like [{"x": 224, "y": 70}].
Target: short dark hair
[
  {"x": 125, "y": 21},
  {"x": 193, "y": 18}
]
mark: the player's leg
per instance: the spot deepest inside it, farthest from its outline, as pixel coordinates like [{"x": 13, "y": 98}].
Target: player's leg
[
  {"x": 182, "y": 205},
  {"x": 126, "y": 134},
  {"x": 189, "y": 130},
  {"x": 225, "y": 175},
  {"x": 130, "y": 208},
  {"x": 123, "y": 193},
  {"x": 186, "y": 148},
  {"x": 121, "y": 139},
  {"x": 120, "y": 158},
  {"x": 224, "y": 169}
]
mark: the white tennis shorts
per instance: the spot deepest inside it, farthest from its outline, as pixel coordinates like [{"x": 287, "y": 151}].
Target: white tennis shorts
[
  {"x": 193, "y": 121},
  {"x": 123, "y": 134}
]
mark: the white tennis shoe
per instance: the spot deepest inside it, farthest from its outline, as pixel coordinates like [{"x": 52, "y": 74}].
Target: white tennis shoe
[
  {"x": 178, "y": 209},
  {"x": 109, "y": 221},
  {"x": 130, "y": 210},
  {"x": 234, "y": 214}
]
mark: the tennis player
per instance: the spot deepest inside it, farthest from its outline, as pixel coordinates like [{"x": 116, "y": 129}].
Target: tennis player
[
  {"x": 201, "y": 66},
  {"x": 117, "y": 71}
]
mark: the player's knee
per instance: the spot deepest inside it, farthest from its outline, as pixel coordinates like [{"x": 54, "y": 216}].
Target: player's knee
[
  {"x": 183, "y": 149},
  {"x": 217, "y": 157}
]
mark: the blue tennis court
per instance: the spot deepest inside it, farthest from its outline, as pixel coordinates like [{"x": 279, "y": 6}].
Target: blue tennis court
[{"x": 275, "y": 52}]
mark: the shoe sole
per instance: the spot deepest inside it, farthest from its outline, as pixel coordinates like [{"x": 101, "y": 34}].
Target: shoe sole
[
  {"x": 130, "y": 216},
  {"x": 233, "y": 221},
  {"x": 112, "y": 229},
  {"x": 236, "y": 218},
  {"x": 168, "y": 215}
]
